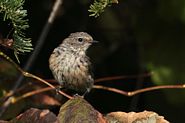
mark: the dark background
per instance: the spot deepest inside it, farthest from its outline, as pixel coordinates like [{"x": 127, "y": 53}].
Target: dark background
[{"x": 135, "y": 37}]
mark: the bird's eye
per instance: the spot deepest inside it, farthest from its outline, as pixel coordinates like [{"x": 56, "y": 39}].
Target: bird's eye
[{"x": 80, "y": 39}]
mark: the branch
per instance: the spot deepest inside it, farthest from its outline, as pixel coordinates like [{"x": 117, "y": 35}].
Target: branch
[
  {"x": 132, "y": 93},
  {"x": 99, "y": 6},
  {"x": 26, "y": 74},
  {"x": 28, "y": 94},
  {"x": 12, "y": 10},
  {"x": 122, "y": 77}
]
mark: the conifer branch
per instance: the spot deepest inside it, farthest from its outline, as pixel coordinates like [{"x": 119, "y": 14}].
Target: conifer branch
[
  {"x": 99, "y": 6},
  {"x": 13, "y": 11}
]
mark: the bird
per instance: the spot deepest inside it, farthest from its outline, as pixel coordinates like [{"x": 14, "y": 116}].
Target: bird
[{"x": 70, "y": 65}]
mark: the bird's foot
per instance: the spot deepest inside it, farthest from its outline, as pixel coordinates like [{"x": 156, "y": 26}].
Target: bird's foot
[{"x": 57, "y": 89}]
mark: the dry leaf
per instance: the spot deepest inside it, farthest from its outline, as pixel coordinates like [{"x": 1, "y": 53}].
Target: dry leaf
[
  {"x": 132, "y": 117},
  {"x": 34, "y": 115},
  {"x": 46, "y": 100}
]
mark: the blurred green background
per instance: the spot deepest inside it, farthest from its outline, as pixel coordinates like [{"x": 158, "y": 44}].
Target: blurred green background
[{"x": 135, "y": 37}]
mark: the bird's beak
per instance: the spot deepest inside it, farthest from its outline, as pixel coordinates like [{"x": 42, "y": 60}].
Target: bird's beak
[{"x": 94, "y": 41}]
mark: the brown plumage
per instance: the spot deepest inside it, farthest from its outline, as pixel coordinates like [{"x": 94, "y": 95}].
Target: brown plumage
[{"x": 70, "y": 65}]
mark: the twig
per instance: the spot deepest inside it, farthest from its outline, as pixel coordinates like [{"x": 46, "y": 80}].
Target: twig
[
  {"x": 45, "y": 82},
  {"x": 28, "y": 94},
  {"x": 26, "y": 74},
  {"x": 132, "y": 93},
  {"x": 32, "y": 93},
  {"x": 156, "y": 88},
  {"x": 51, "y": 80},
  {"x": 122, "y": 77},
  {"x": 11, "y": 94},
  {"x": 111, "y": 89}
]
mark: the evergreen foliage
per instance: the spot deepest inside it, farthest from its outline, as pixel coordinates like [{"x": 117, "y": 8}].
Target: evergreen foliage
[
  {"x": 99, "y": 6},
  {"x": 12, "y": 10}
]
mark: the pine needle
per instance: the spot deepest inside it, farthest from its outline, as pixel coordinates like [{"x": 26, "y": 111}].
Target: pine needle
[
  {"x": 12, "y": 10},
  {"x": 99, "y": 6}
]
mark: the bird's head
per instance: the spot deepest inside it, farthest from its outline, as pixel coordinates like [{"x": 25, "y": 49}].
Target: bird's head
[{"x": 79, "y": 41}]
